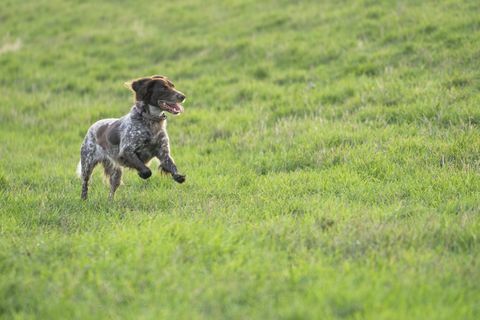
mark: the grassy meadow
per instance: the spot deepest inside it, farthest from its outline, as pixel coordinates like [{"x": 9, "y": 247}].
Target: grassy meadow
[{"x": 332, "y": 154}]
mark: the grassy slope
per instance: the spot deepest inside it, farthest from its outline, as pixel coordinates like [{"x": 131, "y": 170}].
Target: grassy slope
[{"x": 332, "y": 152}]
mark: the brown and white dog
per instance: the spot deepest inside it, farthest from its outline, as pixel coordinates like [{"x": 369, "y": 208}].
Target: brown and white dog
[{"x": 134, "y": 139}]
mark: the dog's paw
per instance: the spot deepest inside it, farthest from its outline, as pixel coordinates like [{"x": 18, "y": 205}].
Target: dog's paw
[
  {"x": 180, "y": 178},
  {"x": 145, "y": 174}
]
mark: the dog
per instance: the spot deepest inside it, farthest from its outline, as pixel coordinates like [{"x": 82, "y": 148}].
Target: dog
[{"x": 136, "y": 138}]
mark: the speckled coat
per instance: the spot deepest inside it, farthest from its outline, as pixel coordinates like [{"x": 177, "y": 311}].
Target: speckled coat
[{"x": 131, "y": 141}]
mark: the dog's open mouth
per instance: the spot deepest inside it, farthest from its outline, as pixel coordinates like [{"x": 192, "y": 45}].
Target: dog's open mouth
[{"x": 172, "y": 107}]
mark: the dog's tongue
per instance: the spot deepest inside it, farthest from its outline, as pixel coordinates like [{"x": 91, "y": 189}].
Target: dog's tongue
[{"x": 176, "y": 108}]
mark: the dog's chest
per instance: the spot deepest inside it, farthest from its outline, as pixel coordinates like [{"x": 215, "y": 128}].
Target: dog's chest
[
  {"x": 149, "y": 141},
  {"x": 157, "y": 129},
  {"x": 142, "y": 134}
]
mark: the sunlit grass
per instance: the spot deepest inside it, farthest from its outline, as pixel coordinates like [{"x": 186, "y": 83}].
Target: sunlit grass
[{"x": 332, "y": 155}]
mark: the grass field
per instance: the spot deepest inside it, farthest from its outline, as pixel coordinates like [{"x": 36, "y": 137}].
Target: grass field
[{"x": 332, "y": 153}]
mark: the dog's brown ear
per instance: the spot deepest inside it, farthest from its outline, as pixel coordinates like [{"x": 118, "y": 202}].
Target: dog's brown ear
[
  {"x": 139, "y": 83},
  {"x": 140, "y": 87}
]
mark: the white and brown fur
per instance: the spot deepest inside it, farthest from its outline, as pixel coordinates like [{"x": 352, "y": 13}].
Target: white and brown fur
[{"x": 134, "y": 139}]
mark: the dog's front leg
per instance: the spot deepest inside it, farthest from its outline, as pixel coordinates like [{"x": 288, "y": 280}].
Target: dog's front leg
[
  {"x": 167, "y": 165},
  {"x": 128, "y": 158},
  {"x": 166, "y": 162}
]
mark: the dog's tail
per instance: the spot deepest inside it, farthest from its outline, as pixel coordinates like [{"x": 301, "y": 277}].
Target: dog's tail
[{"x": 79, "y": 169}]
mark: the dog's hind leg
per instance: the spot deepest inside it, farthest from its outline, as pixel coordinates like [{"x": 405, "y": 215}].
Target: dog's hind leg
[
  {"x": 87, "y": 168},
  {"x": 115, "y": 176},
  {"x": 88, "y": 161},
  {"x": 115, "y": 181}
]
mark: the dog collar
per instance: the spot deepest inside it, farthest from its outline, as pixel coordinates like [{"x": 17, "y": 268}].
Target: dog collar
[{"x": 140, "y": 108}]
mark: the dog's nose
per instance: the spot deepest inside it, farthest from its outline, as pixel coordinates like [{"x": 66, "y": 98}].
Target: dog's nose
[{"x": 180, "y": 97}]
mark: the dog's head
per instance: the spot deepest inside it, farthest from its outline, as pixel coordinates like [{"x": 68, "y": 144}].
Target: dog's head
[{"x": 158, "y": 91}]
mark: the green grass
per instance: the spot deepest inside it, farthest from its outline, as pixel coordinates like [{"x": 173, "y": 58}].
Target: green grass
[{"x": 332, "y": 153}]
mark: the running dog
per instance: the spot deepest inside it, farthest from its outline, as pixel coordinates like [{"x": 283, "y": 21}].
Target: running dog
[{"x": 134, "y": 139}]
